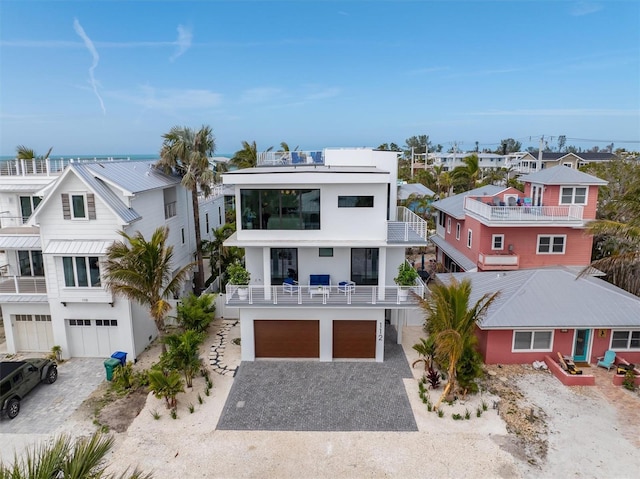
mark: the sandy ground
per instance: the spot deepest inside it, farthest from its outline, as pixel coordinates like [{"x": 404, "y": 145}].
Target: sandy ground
[{"x": 584, "y": 436}]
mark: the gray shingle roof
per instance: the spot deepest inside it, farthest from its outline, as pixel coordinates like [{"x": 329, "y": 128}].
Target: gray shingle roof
[
  {"x": 551, "y": 298},
  {"x": 562, "y": 175},
  {"x": 454, "y": 205}
]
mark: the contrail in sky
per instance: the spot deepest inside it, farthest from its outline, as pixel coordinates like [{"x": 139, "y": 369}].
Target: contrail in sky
[{"x": 92, "y": 49}]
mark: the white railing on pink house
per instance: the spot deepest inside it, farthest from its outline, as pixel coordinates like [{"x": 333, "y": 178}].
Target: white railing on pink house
[{"x": 524, "y": 213}]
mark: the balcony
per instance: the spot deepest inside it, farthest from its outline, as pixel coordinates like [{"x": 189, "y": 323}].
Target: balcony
[
  {"x": 288, "y": 158},
  {"x": 409, "y": 228},
  {"x": 22, "y": 285},
  {"x": 326, "y": 296},
  {"x": 43, "y": 167},
  {"x": 569, "y": 215},
  {"x": 500, "y": 262}
]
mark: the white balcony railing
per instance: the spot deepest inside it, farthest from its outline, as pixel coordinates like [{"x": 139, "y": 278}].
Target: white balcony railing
[
  {"x": 408, "y": 228},
  {"x": 274, "y": 158},
  {"x": 525, "y": 214},
  {"x": 44, "y": 167},
  {"x": 22, "y": 285},
  {"x": 331, "y": 296}
]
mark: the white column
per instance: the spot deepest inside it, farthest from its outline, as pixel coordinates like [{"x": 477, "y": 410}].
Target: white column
[
  {"x": 382, "y": 272},
  {"x": 266, "y": 271},
  {"x": 248, "y": 344},
  {"x": 326, "y": 339},
  {"x": 380, "y": 339}
]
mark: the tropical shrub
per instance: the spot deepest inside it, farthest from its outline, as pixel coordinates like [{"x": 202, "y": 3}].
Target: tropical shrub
[
  {"x": 166, "y": 386},
  {"x": 196, "y": 312}
]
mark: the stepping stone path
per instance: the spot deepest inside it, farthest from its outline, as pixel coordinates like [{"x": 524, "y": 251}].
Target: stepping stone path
[{"x": 216, "y": 354}]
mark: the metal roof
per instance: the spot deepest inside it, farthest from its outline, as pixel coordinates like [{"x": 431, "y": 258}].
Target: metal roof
[
  {"x": 24, "y": 298},
  {"x": 22, "y": 242},
  {"x": 460, "y": 259},
  {"x": 31, "y": 187},
  {"x": 76, "y": 247},
  {"x": 561, "y": 175},
  {"x": 128, "y": 215},
  {"x": 551, "y": 298},
  {"x": 132, "y": 176},
  {"x": 407, "y": 189},
  {"x": 454, "y": 205}
]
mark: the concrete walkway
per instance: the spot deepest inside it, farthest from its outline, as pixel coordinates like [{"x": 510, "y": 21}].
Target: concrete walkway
[{"x": 315, "y": 396}]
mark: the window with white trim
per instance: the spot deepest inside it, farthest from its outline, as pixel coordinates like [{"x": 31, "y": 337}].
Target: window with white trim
[
  {"x": 469, "y": 238},
  {"x": 81, "y": 271},
  {"x": 497, "y": 242},
  {"x": 625, "y": 340},
  {"x": 449, "y": 225},
  {"x": 78, "y": 207},
  {"x": 573, "y": 195},
  {"x": 532, "y": 341},
  {"x": 457, "y": 231},
  {"x": 551, "y": 244}
]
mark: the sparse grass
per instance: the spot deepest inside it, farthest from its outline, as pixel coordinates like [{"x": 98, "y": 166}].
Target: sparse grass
[
  {"x": 467, "y": 414},
  {"x": 174, "y": 413},
  {"x": 236, "y": 341},
  {"x": 456, "y": 416},
  {"x": 206, "y": 391},
  {"x": 155, "y": 414},
  {"x": 479, "y": 412},
  {"x": 440, "y": 413},
  {"x": 485, "y": 406},
  {"x": 200, "y": 400},
  {"x": 191, "y": 408}
]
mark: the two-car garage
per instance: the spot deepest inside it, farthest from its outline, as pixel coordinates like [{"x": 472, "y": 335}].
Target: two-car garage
[{"x": 325, "y": 338}]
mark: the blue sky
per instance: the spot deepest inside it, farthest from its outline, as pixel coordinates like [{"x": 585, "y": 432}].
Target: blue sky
[{"x": 110, "y": 77}]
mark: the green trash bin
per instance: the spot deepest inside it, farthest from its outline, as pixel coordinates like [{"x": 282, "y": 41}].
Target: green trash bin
[{"x": 110, "y": 365}]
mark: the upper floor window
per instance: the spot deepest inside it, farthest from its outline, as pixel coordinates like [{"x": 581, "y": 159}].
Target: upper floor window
[
  {"x": 81, "y": 271},
  {"x": 285, "y": 209},
  {"x": 497, "y": 242},
  {"x": 625, "y": 340},
  {"x": 469, "y": 238},
  {"x": 170, "y": 203},
  {"x": 457, "y": 231},
  {"x": 355, "y": 201},
  {"x": 441, "y": 217},
  {"x": 551, "y": 244},
  {"x": 27, "y": 205},
  {"x": 570, "y": 195},
  {"x": 449, "y": 225},
  {"x": 78, "y": 206}
]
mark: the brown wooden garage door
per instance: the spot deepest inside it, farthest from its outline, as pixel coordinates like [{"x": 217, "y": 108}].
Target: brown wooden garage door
[
  {"x": 287, "y": 339},
  {"x": 354, "y": 339}
]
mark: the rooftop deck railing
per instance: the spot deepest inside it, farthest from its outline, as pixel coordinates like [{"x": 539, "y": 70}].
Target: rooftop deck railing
[
  {"x": 524, "y": 213},
  {"x": 324, "y": 296},
  {"x": 44, "y": 167},
  {"x": 288, "y": 158}
]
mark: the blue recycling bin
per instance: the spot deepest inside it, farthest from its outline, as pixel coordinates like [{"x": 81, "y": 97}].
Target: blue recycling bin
[{"x": 120, "y": 356}]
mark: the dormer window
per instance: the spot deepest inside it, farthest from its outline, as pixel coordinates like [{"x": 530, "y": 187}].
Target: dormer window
[
  {"x": 573, "y": 195},
  {"x": 78, "y": 206}
]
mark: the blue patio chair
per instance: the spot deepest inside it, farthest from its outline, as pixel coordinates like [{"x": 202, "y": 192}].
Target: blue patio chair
[
  {"x": 317, "y": 156},
  {"x": 607, "y": 360},
  {"x": 296, "y": 158}
]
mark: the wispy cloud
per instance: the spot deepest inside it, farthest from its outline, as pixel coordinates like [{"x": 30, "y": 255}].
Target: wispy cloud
[
  {"x": 96, "y": 58},
  {"x": 343, "y": 13},
  {"x": 183, "y": 42},
  {"x": 558, "y": 112},
  {"x": 317, "y": 93},
  {"x": 585, "y": 8},
  {"x": 262, "y": 95},
  {"x": 422, "y": 71},
  {"x": 169, "y": 99}
]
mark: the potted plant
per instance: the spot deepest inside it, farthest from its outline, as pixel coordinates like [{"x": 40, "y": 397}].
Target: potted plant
[
  {"x": 407, "y": 276},
  {"x": 239, "y": 276}
]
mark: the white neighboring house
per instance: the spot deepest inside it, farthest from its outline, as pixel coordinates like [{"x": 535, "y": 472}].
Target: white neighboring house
[
  {"x": 323, "y": 240},
  {"x": 52, "y": 292}
]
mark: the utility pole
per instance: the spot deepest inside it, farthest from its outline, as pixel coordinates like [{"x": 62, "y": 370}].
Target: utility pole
[
  {"x": 539, "y": 162},
  {"x": 412, "y": 162}
]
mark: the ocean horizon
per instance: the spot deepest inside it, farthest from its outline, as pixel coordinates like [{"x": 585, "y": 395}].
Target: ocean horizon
[{"x": 138, "y": 157}]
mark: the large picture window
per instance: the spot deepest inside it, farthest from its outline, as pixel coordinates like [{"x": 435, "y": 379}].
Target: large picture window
[
  {"x": 284, "y": 209},
  {"x": 532, "y": 340},
  {"x": 625, "y": 340},
  {"x": 81, "y": 272}
]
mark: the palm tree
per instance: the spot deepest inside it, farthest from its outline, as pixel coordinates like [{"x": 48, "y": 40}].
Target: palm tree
[
  {"x": 247, "y": 157},
  {"x": 452, "y": 324},
  {"x": 63, "y": 457},
  {"x": 621, "y": 259},
  {"x": 466, "y": 176},
  {"x": 142, "y": 271},
  {"x": 24, "y": 153},
  {"x": 165, "y": 386},
  {"x": 221, "y": 256},
  {"x": 182, "y": 354},
  {"x": 186, "y": 152}
]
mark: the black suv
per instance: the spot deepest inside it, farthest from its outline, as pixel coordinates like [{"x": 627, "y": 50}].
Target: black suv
[{"x": 18, "y": 378}]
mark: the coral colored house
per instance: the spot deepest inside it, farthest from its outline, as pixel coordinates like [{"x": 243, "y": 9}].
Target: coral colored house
[{"x": 496, "y": 228}]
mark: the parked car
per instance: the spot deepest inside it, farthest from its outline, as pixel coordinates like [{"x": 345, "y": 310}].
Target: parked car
[{"x": 18, "y": 378}]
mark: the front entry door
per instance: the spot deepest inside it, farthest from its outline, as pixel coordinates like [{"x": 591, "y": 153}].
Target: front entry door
[{"x": 581, "y": 345}]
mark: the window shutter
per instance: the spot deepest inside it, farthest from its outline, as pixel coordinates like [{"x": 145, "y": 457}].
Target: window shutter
[
  {"x": 66, "y": 210},
  {"x": 91, "y": 205}
]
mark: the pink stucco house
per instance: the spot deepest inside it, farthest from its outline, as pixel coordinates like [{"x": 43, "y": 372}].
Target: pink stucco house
[{"x": 530, "y": 246}]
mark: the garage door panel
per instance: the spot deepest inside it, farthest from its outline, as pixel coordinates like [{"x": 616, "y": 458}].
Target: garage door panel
[
  {"x": 354, "y": 339},
  {"x": 33, "y": 332},
  {"x": 287, "y": 338}
]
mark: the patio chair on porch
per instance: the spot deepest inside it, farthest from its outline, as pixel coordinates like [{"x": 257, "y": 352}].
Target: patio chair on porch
[
  {"x": 290, "y": 286},
  {"x": 607, "y": 360}
]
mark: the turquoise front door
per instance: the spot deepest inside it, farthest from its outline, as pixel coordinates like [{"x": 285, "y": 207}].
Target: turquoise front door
[{"x": 581, "y": 345}]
